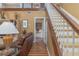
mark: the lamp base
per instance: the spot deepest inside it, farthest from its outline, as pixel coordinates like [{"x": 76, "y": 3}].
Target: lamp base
[{"x": 7, "y": 41}]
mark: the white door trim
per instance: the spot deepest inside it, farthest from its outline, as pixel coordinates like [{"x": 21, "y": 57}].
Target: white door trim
[{"x": 35, "y": 18}]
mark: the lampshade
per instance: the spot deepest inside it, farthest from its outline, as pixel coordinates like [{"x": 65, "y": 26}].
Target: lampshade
[{"x": 8, "y": 28}]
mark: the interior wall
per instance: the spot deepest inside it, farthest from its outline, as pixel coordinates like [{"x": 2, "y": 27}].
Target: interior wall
[
  {"x": 24, "y": 15},
  {"x": 72, "y": 8}
]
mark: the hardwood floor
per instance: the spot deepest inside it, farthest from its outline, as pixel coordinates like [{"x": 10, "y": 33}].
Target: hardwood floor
[{"x": 38, "y": 49}]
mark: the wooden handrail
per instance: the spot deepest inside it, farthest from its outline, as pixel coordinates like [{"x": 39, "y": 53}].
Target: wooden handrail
[
  {"x": 56, "y": 50},
  {"x": 66, "y": 17}
]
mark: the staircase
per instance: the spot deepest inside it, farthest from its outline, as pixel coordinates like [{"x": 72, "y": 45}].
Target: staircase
[{"x": 67, "y": 38}]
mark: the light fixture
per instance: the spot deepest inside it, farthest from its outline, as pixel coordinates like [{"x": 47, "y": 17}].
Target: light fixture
[{"x": 7, "y": 29}]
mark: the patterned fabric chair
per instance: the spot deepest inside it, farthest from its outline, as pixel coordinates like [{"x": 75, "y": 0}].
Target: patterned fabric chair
[
  {"x": 24, "y": 50},
  {"x": 23, "y": 44}
]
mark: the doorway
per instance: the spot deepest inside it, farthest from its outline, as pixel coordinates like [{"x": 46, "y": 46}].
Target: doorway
[{"x": 40, "y": 29}]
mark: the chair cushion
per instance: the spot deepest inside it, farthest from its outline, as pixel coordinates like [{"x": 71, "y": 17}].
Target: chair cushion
[{"x": 8, "y": 52}]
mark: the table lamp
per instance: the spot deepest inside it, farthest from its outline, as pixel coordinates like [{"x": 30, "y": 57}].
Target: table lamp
[{"x": 7, "y": 29}]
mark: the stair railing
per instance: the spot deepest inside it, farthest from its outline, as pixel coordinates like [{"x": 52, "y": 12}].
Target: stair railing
[
  {"x": 69, "y": 40},
  {"x": 65, "y": 30}
]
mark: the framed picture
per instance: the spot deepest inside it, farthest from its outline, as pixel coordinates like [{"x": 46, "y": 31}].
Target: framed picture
[{"x": 24, "y": 23}]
